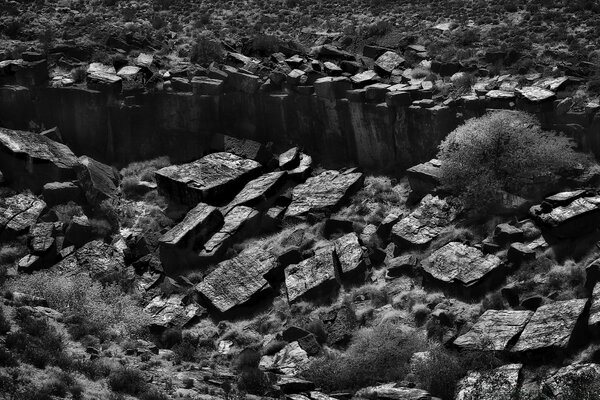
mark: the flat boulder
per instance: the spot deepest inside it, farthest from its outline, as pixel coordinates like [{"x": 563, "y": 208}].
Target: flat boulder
[
  {"x": 61, "y": 193},
  {"x": 458, "y": 263},
  {"x": 245, "y": 148},
  {"x": 172, "y": 311},
  {"x": 388, "y": 61},
  {"x": 310, "y": 276},
  {"x": 551, "y": 327},
  {"x": 29, "y": 160},
  {"x": 498, "y": 384},
  {"x": 425, "y": 223},
  {"x": 350, "y": 256},
  {"x": 180, "y": 245},
  {"x": 99, "y": 181},
  {"x": 238, "y": 280},
  {"x": 494, "y": 330},
  {"x": 18, "y": 213},
  {"x": 392, "y": 391},
  {"x": 324, "y": 193},
  {"x": 258, "y": 190},
  {"x": 568, "y": 214},
  {"x": 536, "y": 94},
  {"x": 213, "y": 179}
]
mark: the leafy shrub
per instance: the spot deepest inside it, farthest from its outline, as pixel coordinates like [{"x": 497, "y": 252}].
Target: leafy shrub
[
  {"x": 144, "y": 170},
  {"x": 378, "y": 354},
  {"x": 317, "y": 328},
  {"x": 127, "y": 380},
  {"x": 153, "y": 394},
  {"x": 79, "y": 74},
  {"x": 502, "y": 151},
  {"x": 6, "y": 358},
  {"x": 4, "y": 324},
  {"x": 206, "y": 49},
  {"x": 37, "y": 342}
]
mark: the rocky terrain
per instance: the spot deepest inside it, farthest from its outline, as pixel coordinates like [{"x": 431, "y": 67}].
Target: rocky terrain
[{"x": 201, "y": 202}]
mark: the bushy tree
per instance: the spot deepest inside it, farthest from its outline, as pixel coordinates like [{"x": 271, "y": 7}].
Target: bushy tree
[{"x": 503, "y": 151}]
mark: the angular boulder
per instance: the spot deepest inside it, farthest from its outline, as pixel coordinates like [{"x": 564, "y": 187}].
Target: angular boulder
[
  {"x": 290, "y": 360},
  {"x": 244, "y": 148},
  {"x": 424, "y": 178},
  {"x": 311, "y": 276},
  {"x": 458, "y": 263},
  {"x": 172, "y": 311},
  {"x": 568, "y": 214},
  {"x": 29, "y": 160},
  {"x": 425, "y": 223},
  {"x": 41, "y": 237},
  {"x": 498, "y": 384},
  {"x": 238, "y": 280},
  {"x": 388, "y": 61},
  {"x": 392, "y": 391},
  {"x": 324, "y": 193},
  {"x": 594, "y": 320},
  {"x": 258, "y": 190},
  {"x": 18, "y": 213},
  {"x": 180, "y": 245},
  {"x": 99, "y": 181},
  {"x": 213, "y": 179},
  {"x": 350, "y": 256},
  {"x": 61, "y": 193},
  {"x": 494, "y": 330},
  {"x": 551, "y": 327}
]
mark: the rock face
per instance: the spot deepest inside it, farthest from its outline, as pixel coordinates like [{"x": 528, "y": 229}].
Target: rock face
[
  {"x": 171, "y": 311},
  {"x": 498, "y": 384},
  {"x": 19, "y": 212},
  {"x": 210, "y": 179},
  {"x": 570, "y": 381},
  {"x": 323, "y": 193},
  {"x": 350, "y": 256},
  {"x": 568, "y": 214},
  {"x": 96, "y": 258},
  {"x": 180, "y": 246},
  {"x": 459, "y": 263},
  {"x": 237, "y": 280},
  {"x": 29, "y": 160},
  {"x": 494, "y": 330},
  {"x": 315, "y": 274},
  {"x": 99, "y": 181},
  {"x": 552, "y": 326},
  {"x": 425, "y": 223}
]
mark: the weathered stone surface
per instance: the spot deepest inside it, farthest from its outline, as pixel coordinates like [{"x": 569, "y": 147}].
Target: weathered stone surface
[
  {"x": 289, "y": 159},
  {"x": 211, "y": 179},
  {"x": 551, "y": 326},
  {"x": 424, "y": 178},
  {"x": 28, "y": 263},
  {"x": 311, "y": 275},
  {"x": 258, "y": 190},
  {"x": 536, "y": 94},
  {"x": 99, "y": 181},
  {"x": 401, "y": 265},
  {"x": 519, "y": 252},
  {"x": 365, "y": 78},
  {"x": 129, "y": 72},
  {"x": 507, "y": 233},
  {"x": 29, "y": 160},
  {"x": 237, "y": 280},
  {"x": 288, "y": 361},
  {"x": 332, "y": 88},
  {"x": 425, "y": 223},
  {"x": 457, "y": 262},
  {"x": 594, "y": 320},
  {"x": 339, "y": 324},
  {"x": 99, "y": 67},
  {"x": 498, "y": 384},
  {"x": 244, "y": 148},
  {"x": 310, "y": 344},
  {"x": 388, "y": 62},
  {"x": 302, "y": 171},
  {"x": 568, "y": 382},
  {"x": 61, "y": 193},
  {"x": 96, "y": 258},
  {"x": 494, "y": 330},
  {"x": 323, "y": 193},
  {"x": 242, "y": 82},
  {"x": 288, "y": 384},
  {"x": 104, "y": 81},
  {"x": 202, "y": 85},
  {"x": 41, "y": 237},
  {"x": 171, "y": 311},
  {"x": 180, "y": 245},
  {"x": 350, "y": 256},
  {"x": 576, "y": 218},
  {"x": 390, "y": 391},
  {"x": 19, "y": 212}
]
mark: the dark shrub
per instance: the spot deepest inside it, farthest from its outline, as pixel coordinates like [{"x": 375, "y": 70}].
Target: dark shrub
[
  {"x": 206, "y": 49},
  {"x": 4, "y": 324},
  {"x": 127, "y": 380},
  {"x": 170, "y": 337},
  {"x": 153, "y": 394},
  {"x": 6, "y": 358}
]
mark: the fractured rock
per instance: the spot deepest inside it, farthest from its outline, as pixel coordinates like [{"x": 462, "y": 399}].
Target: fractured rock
[
  {"x": 494, "y": 330},
  {"x": 18, "y": 213},
  {"x": 350, "y": 256},
  {"x": 41, "y": 237},
  {"x": 238, "y": 280},
  {"x": 575, "y": 218},
  {"x": 425, "y": 223},
  {"x": 315, "y": 274},
  {"x": 388, "y": 61},
  {"x": 211, "y": 179},
  {"x": 100, "y": 260},
  {"x": 551, "y": 326},
  {"x": 324, "y": 193},
  {"x": 567, "y": 382},
  {"x": 288, "y": 384},
  {"x": 391, "y": 391},
  {"x": 424, "y": 178},
  {"x": 171, "y": 311},
  {"x": 257, "y": 191},
  {"x": 61, "y": 193},
  {"x": 244, "y": 148},
  {"x": 289, "y": 159},
  {"x": 457, "y": 262},
  {"x": 594, "y": 320},
  {"x": 289, "y": 361},
  {"x": 99, "y": 181},
  {"x": 498, "y": 384}
]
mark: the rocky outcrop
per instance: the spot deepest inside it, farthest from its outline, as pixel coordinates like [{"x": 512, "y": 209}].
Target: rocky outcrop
[
  {"x": 568, "y": 214},
  {"x": 179, "y": 247},
  {"x": 18, "y": 213},
  {"x": 311, "y": 276},
  {"x": 495, "y": 330},
  {"x": 324, "y": 193},
  {"x": 551, "y": 327},
  {"x": 213, "y": 179},
  {"x": 238, "y": 280},
  {"x": 457, "y": 263},
  {"x": 497, "y": 384},
  {"x": 172, "y": 311},
  {"x": 425, "y": 223},
  {"x": 99, "y": 181},
  {"x": 29, "y": 160}
]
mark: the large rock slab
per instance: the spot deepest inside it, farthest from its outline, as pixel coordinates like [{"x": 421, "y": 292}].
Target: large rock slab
[
  {"x": 425, "y": 223},
  {"x": 238, "y": 280},
  {"x": 180, "y": 245},
  {"x": 568, "y": 214},
  {"x": 290, "y": 360},
  {"x": 494, "y": 330},
  {"x": 213, "y": 179},
  {"x": 571, "y": 382},
  {"x": 172, "y": 311},
  {"x": 99, "y": 181},
  {"x": 313, "y": 275},
  {"x": 29, "y": 160},
  {"x": 350, "y": 256},
  {"x": 390, "y": 391},
  {"x": 424, "y": 178},
  {"x": 258, "y": 190},
  {"x": 98, "y": 259},
  {"x": 388, "y": 61},
  {"x": 18, "y": 213},
  {"x": 458, "y": 263},
  {"x": 324, "y": 193},
  {"x": 551, "y": 327},
  {"x": 498, "y": 384},
  {"x": 244, "y": 148}
]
